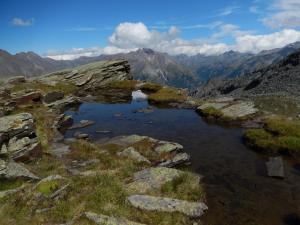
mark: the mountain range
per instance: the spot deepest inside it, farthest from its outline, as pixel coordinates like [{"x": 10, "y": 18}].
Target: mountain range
[
  {"x": 180, "y": 71},
  {"x": 281, "y": 78}
]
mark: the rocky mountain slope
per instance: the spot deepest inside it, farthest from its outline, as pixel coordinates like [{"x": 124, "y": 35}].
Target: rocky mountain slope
[
  {"x": 280, "y": 78},
  {"x": 232, "y": 64}
]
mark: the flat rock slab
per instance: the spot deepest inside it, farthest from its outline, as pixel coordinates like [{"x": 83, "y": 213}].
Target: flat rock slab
[
  {"x": 152, "y": 178},
  {"x": 130, "y": 152},
  {"x": 82, "y": 124},
  {"x": 216, "y": 105},
  {"x": 239, "y": 110},
  {"x": 275, "y": 167},
  {"x": 15, "y": 170},
  {"x": 151, "y": 203},
  {"x": 178, "y": 159},
  {"x": 17, "y": 125},
  {"x": 165, "y": 147},
  {"x": 107, "y": 220}
]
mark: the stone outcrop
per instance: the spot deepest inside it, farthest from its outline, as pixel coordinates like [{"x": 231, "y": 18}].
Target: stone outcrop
[
  {"x": 107, "y": 220},
  {"x": 17, "y": 137},
  {"x": 152, "y": 178},
  {"x": 130, "y": 152},
  {"x": 64, "y": 104},
  {"x": 16, "y": 80},
  {"x": 53, "y": 96},
  {"x": 151, "y": 203},
  {"x": 93, "y": 75},
  {"x": 12, "y": 170}
]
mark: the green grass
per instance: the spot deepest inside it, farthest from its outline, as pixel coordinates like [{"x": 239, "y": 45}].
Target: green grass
[
  {"x": 279, "y": 135},
  {"x": 124, "y": 84},
  {"x": 211, "y": 112},
  {"x": 168, "y": 95},
  {"x": 9, "y": 184},
  {"x": 151, "y": 87},
  {"x": 48, "y": 187}
]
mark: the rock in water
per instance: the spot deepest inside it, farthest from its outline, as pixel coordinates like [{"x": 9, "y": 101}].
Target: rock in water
[
  {"x": 275, "y": 167},
  {"x": 107, "y": 220},
  {"x": 151, "y": 203}
]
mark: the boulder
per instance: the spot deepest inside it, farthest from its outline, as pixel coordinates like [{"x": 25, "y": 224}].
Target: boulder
[
  {"x": 14, "y": 170},
  {"x": 151, "y": 203},
  {"x": 19, "y": 125},
  {"x": 64, "y": 104},
  {"x": 178, "y": 159},
  {"x": 165, "y": 147},
  {"x": 275, "y": 167},
  {"x": 107, "y": 220},
  {"x": 53, "y": 96},
  {"x": 91, "y": 76},
  {"x": 152, "y": 178},
  {"x": 130, "y": 152},
  {"x": 239, "y": 110},
  {"x": 23, "y": 148}
]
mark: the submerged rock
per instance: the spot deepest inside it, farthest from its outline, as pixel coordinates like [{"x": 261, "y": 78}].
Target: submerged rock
[
  {"x": 82, "y": 124},
  {"x": 275, "y": 167},
  {"x": 151, "y": 203},
  {"x": 107, "y": 220}
]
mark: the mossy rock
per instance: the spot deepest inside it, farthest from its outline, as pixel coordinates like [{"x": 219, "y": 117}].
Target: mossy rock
[
  {"x": 151, "y": 87},
  {"x": 168, "y": 95},
  {"x": 123, "y": 84},
  {"x": 279, "y": 135},
  {"x": 48, "y": 187}
]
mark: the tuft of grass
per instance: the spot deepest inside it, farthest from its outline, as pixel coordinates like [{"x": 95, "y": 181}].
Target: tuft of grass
[
  {"x": 168, "y": 95},
  {"x": 9, "y": 184},
  {"x": 48, "y": 187},
  {"x": 151, "y": 87},
  {"x": 212, "y": 112},
  {"x": 278, "y": 135},
  {"x": 65, "y": 87},
  {"x": 123, "y": 84},
  {"x": 185, "y": 187}
]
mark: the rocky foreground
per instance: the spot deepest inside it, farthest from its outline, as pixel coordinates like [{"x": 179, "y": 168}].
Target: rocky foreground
[{"x": 47, "y": 179}]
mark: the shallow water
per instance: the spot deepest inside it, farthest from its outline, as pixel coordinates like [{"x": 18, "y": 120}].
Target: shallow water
[{"x": 238, "y": 190}]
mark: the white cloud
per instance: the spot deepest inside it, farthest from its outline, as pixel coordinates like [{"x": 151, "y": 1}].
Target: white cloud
[
  {"x": 284, "y": 13},
  {"x": 22, "y": 22},
  {"x": 257, "y": 43},
  {"x": 132, "y": 36}
]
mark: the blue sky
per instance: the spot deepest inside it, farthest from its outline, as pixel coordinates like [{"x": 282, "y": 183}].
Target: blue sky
[{"x": 90, "y": 27}]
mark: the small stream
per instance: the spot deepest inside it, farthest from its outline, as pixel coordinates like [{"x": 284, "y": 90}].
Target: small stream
[{"x": 238, "y": 190}]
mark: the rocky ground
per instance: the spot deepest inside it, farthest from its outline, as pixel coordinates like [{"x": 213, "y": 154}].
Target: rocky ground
[{"x": 47, "y": 179}]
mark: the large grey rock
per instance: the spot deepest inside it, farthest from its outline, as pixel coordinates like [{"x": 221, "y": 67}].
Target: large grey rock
[
  {"x": 64, "y": 104},
  {"x": 165, "y": 147},
  {"x": 130, "y": 152},
  {"x": 19, "y": 125},
  {"x": 53, "y": 96},
  {"x": 152, "y": 178},
  {"x": 107, "y": 220},
  {"x": 91, "y": 75},
  {"x": 178, "y": 159},
  {"x": 240, "y": 109},
  {"x": 151, "y": 203},
  {"x": 216, "y": 105},
  {"x": 12, "y": 169},
  {"x": 275, "y": 167},
  {"x": 22, "y": 148}
]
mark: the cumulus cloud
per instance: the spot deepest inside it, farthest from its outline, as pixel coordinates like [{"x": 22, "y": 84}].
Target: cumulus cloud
[
  {"x": 129, "y": 37},
  {"x": 285, "y": 13},
  {"x": 22, "y": 22}
]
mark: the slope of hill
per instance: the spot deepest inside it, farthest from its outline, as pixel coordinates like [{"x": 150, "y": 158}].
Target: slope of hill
[{"x": 280, "y": 78}]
